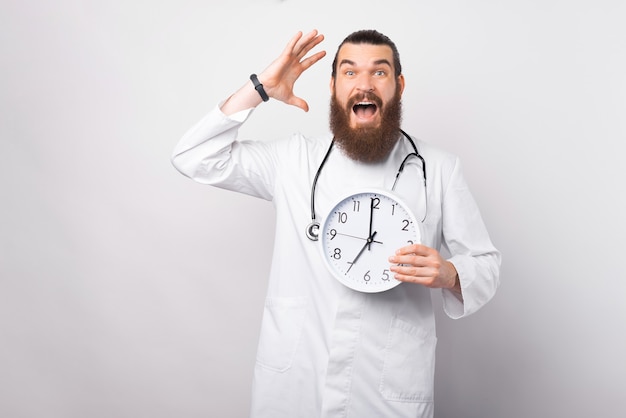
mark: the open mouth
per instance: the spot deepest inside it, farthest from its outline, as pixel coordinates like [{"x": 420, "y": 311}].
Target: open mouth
[{"x": 365, "y": 110}]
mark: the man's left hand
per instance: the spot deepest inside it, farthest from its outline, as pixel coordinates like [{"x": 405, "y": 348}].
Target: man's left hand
[{"x": 424, "y": 265}]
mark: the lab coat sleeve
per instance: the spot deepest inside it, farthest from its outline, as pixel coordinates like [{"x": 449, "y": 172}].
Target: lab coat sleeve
[
  {"x": 476, "y": 260},
  {"x": 209, "y": 153}
]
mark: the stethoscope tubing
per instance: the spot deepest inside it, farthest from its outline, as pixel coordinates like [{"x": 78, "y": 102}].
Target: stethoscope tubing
[{"x": 313, "y": 228}]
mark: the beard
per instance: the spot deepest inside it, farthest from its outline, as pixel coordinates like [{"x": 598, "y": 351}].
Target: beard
[{"x": 366, "y": 144}]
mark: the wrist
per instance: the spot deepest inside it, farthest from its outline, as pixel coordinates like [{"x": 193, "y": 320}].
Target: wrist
[
  {"x": 455, "y": 282},
  {"x": 258, "y": 86},
  {"x": 244, "y": 98}
]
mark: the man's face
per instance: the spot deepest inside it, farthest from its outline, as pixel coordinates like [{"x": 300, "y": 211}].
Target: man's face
[
  {"x": 364, "y": 82},
  {"x": 366, "y": 111}
]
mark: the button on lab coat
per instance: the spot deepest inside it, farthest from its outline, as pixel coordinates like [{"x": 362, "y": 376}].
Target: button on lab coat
[{"x": 326, "y": 350}]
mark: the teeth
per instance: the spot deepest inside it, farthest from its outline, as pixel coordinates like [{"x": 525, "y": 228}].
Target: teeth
[{"x": 365, "y": 103}]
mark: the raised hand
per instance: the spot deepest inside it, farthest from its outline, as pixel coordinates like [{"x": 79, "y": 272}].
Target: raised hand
[{"x": 280, "y": 76}]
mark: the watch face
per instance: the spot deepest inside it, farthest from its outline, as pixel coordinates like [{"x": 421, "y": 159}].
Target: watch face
[{"x": 361, "y": 232}]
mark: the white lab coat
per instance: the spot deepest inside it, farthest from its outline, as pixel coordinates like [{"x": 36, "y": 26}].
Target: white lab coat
[{"x": 326, "y": 350}]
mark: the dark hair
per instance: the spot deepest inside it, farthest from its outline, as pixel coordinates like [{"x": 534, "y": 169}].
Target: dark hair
[{"x": 373, "y": 37}]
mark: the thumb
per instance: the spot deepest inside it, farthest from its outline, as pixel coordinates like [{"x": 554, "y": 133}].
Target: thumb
[{"x": 299, "y": 102}]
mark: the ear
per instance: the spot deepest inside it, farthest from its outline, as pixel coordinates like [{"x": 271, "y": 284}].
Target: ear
[
  {"x": 400, "y": 82},
  {"x": 332, "y": 85}
]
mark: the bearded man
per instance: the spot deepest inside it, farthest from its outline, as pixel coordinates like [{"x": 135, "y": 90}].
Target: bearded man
[{"x": 327, "y": 350}]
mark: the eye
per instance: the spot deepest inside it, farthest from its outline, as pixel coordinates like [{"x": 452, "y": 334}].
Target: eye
[
  {"x": 379, "y": 73},
  {"x": 349, "y": 73}
]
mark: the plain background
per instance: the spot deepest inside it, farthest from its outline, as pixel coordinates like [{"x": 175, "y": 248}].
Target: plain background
[{"x": 127, "y": 290}]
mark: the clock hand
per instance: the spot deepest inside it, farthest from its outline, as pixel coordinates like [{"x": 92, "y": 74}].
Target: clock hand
[
  {"x": 351, "y": 236},
  {"x": 366, "y": 245},
  {"x": 369, "y": 234},
  {"x": 355, "y": 237}
]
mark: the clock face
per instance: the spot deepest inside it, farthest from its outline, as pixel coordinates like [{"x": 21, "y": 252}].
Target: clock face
[{"x": 361, "y": 232}]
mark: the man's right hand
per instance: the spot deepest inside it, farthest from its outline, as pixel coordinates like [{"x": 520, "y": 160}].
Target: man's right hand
[{"x": 280, "y": 76}]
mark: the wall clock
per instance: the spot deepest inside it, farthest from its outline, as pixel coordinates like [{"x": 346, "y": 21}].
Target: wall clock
[{"x": 361, "y": 232}]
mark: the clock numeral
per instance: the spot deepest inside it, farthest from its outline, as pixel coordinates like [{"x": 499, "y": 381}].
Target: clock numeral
[
  {"x": 406, "y": 223},
  {"x": 385, "y": 277},
  {"x": 342, "y": 217},
  {"x": 393, "y": 209},
  {"x": 337, "y": 254},
  {"x": 375, "y": 202},
  {"x": 356, "y": 205},
  {"x": 332, "y": 233}
]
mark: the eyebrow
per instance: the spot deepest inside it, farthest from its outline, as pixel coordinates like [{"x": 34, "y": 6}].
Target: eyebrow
[{"x": 377, "y": 62}]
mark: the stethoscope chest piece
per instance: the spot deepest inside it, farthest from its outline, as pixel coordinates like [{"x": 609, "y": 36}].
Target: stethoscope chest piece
[{"x": 313, "y": 231}]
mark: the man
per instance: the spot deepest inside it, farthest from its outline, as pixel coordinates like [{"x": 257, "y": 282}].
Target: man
[{"x": 326, "y": 350}]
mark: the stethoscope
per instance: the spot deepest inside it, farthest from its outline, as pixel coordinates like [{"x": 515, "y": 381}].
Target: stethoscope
[{"x": 312, "y": 230}]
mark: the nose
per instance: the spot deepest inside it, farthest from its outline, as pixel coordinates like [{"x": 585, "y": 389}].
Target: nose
[{"x": 365, "y": 84}]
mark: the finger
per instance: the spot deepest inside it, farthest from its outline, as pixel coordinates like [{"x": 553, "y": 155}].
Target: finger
[
  {"x": 308, "y": 62},
  {"x": 408, "y": 278},
  {"x": 289, "y": 48},
  {"x": 298, "y": 102},
  {"x": 417, "y": 249},
  {"x": 409, "y": 264},
  {"x": 424, "y": 281},
  {"x": 407, "y": 274},
  {"x": 307, "y": 42},
  {"x": 411, "y": 260},
  {"x": 422, "y": 257},
  {"x": 421, "y": 275},
  {"x": 411, "y": 270}
]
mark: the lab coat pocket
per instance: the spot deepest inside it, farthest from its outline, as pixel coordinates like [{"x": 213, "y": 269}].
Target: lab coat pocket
[
  {"x": 409, "y": 366},
  {"x": 283, "y": 320}
]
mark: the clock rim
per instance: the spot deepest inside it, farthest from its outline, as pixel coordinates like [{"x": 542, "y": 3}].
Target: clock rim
[{"x": 366, "y": 190}]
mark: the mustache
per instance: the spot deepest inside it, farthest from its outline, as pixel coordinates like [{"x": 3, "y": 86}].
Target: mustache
[{"x": 365, "y": 97}]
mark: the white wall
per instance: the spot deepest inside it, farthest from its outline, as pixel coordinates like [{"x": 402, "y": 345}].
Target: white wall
[{"x": 127, "y": 290}]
